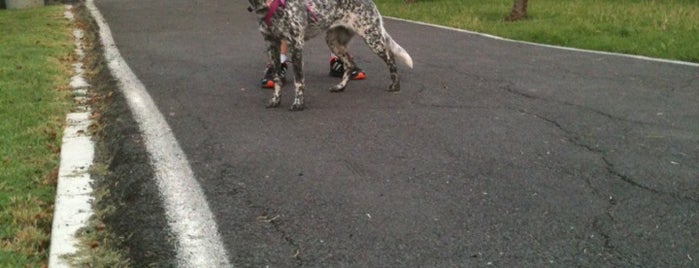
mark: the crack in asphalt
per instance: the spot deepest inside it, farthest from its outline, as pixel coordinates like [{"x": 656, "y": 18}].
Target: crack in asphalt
[
  {"x": 509, "y": 88},
  {"x": 289, "y": 240},
  {"x": 604, "y": 223},
  {"x": 268, "y": 216},
  {"x": 608, "y": 165},
  {"x": 611, "y": 170},
  {"x": 571, "y": 136},
  {"x": 607, "y": 241},
  {"x": 574, "y": 139},
  {"x": 598, "y": 224}
]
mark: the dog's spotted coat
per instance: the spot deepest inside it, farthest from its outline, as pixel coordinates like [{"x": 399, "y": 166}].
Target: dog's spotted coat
[{"x": 299, "y": 20}]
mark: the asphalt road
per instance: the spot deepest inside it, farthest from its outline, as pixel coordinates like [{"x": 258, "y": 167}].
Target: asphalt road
[{"x": 493, "y": 153}]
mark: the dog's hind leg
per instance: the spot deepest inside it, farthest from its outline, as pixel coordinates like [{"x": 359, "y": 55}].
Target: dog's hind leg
[
  {"x": 273, "y": 50},
  {"x": 377, "y": 39},
  {"x": 337, "y": 39},
  {"x": 296, "y": 49}
]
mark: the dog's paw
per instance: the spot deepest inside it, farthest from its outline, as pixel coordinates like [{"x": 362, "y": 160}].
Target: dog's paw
[
  {"x": 274, "y": 102},
  {"x": 393, "y": 88},
  {"x": 337, "y": 88},
  {"x": 297, "y": 105}
]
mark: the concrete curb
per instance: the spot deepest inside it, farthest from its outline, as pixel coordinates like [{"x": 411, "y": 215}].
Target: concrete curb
[{"x": 74, "y": 191}]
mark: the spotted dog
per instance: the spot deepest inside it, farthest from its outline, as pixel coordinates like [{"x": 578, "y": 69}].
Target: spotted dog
[{"x": 299, "y": 20}]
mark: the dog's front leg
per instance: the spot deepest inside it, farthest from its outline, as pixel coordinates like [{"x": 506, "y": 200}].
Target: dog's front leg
[
  {"x": 273, "y": 51},
  {"x": 296, "y": 47}
]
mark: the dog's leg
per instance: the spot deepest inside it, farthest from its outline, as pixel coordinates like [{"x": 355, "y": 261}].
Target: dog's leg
[
  {"x": 273, "y": 51},
  {"x": 296, "y": 49},
  {"x": 337, "y": 39},
  {"x": 377, "y": 41}
]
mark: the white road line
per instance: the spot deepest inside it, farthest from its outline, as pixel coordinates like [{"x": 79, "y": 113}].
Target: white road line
[
  {"x": 189, "y": 216},
  {"x": 548, "y": 46}
]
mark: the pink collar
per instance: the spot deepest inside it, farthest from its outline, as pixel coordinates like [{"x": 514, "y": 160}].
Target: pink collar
[
  {"x": 272, "y": 9},
  {"x": 275, "y": 4}
]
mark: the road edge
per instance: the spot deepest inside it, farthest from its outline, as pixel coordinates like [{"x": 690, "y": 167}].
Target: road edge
[
  {"x": 638, "y": 57},
  {"x": 189, "y": 216}
]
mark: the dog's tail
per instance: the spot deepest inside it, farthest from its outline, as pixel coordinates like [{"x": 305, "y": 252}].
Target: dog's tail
[{"x": 398, "y": 51}]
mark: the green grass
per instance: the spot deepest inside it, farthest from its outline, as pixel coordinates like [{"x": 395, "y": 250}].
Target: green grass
[
  {"x": 662, "y": 28},
  {"x": 34, "y": 100}
]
